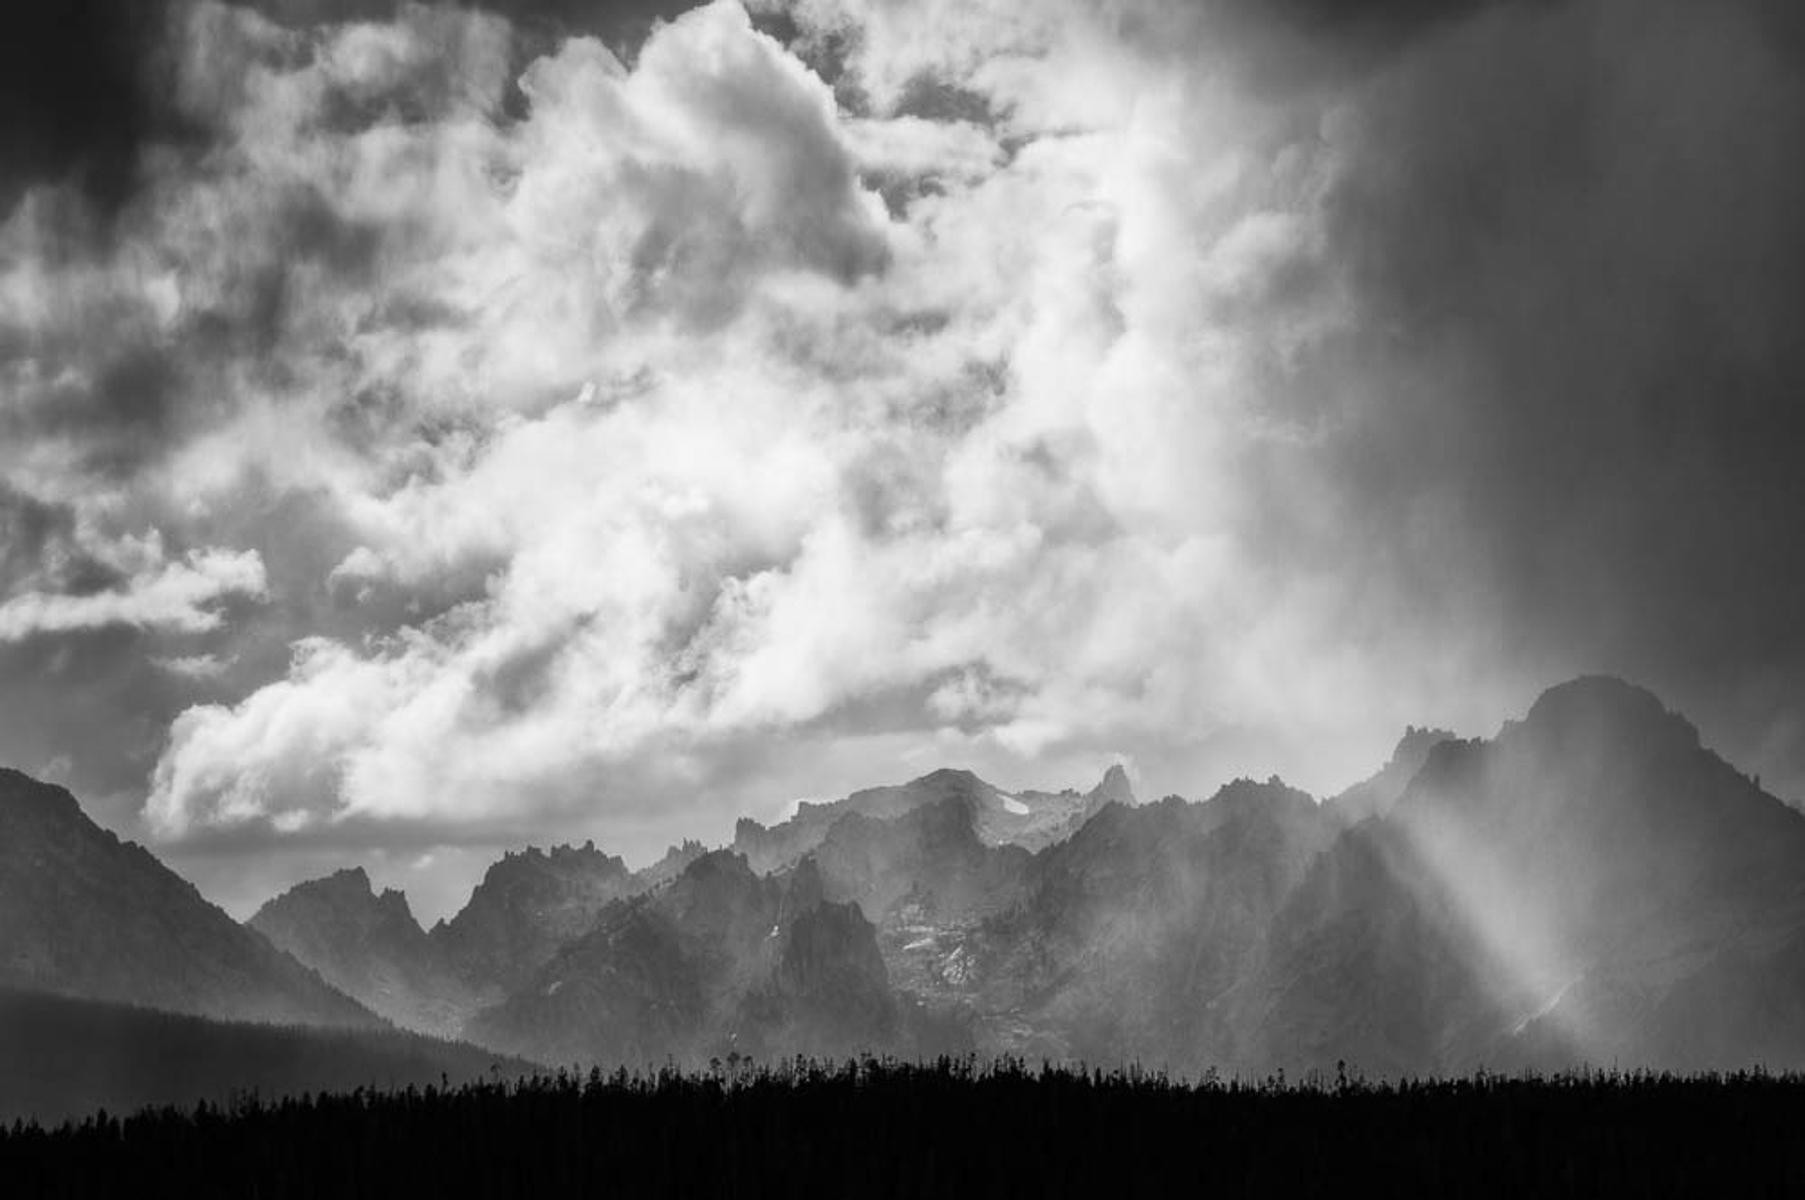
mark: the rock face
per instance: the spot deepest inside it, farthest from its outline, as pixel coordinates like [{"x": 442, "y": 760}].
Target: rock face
[
  {"x": 527, "y": 906},
  {"x": 722, "y": 960},
  {"x": 84, "y": 914},
  {"x": 370, "y": 947}
]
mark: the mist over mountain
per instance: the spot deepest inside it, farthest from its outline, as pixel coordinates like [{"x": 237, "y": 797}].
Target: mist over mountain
[
  {"x": 63, "y": 1058},
  {"x": 1592, "y": 885},
  {"x": 370, "y": 947},
  {"x": 1375, "y": 795}
]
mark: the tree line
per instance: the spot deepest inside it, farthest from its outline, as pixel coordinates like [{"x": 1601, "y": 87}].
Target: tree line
[{"x": 954, "y": 1127}]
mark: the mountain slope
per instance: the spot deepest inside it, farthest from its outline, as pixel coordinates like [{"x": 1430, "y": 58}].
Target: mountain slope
[
  {"x": 86, "y": 914},
  {"x": 1562, "y": 893},
  {"x": 371, "y": 948}
]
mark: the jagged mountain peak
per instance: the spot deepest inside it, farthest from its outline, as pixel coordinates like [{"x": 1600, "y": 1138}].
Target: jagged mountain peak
[
  {"x": 352, "y": 875},
  {"x": 1114, "y": 787},
  {"x": 723, "y": 864},
  {"x": 347, "y": 890},
  {"x": 675, "y": 860},
  {"x": 1272, "y": 798},
  {"x": 563, "y": 855},
  {"x": 1415, "y": 745},
  {"x": 526, "y": 906}
]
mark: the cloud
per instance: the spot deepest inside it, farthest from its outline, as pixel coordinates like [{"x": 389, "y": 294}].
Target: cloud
[
  {"x": 638, "y": 432},
  {"x": 78, "y": 93},
  {"x": 178, "y": 596},
  {"x": 1574, "y": 294},
  {"x": 194, "y": 666},
  {"x": 811, "y": 459}
]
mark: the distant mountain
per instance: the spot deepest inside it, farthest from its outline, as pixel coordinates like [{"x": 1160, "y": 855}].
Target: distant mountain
[
  {"x": 914, "y": 933},
  {"x": 1592, "y": 885},
  {"x": 1375, "y": 795},
  {"x": 526, "y": 906},
  {"x": 675, "y": 861},
  {"x": 62, "y": 1058},
  {"x": 370, "y": 947},
  {"x": 1135, "y": 931},
  {"x": 1027, "y": 819},
  {"x": 85, "y": 914},
  {"x": 721, "y": 960}
]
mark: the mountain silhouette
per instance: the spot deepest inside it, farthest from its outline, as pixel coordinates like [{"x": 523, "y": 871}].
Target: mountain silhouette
[{"x": 88, "y": 915}]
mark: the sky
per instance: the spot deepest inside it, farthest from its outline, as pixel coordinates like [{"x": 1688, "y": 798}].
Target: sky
[{"x": 429, "y": 429}]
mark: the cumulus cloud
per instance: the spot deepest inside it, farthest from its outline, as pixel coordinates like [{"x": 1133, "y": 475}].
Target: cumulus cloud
[
  {"x": 153, "y": 592},
  {"x": 811, "y": 456},
  {"x": 719, "y": 419}
]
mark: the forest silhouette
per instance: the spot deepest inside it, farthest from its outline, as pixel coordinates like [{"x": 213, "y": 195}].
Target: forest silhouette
[{"x": 950, "y": 1127}]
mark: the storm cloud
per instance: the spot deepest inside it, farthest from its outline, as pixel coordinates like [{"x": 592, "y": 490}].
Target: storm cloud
[{"x": 559, "y": 420}]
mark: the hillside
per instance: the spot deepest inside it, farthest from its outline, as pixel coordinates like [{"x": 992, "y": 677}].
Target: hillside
[
  {"x": 62, "y": 1058},
  {"x": 86, "y": 914}
]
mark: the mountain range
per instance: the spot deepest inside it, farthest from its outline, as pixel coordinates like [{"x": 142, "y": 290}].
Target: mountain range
[{"x": 1591, "y": 885}]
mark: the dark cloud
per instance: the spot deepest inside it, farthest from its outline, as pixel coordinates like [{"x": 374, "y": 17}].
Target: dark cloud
[
  {"x": 91, "y": 708},
  {"x": 28, "y": 527},
  {"x": 622, "y": 22},
  {"x": 79, "y": 88},
  {"x": 86, "y": 85},
  {"x": 1285, "y": 47},
  {"x": 1575, "y": 240}
]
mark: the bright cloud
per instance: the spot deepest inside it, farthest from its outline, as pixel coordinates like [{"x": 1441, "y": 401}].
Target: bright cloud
[
  {"x": 738, "y": 446},
  {"x": 967, "y": 379}
]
